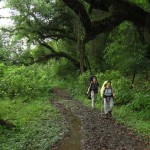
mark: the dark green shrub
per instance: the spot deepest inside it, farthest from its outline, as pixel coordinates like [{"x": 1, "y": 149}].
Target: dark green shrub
[
  {"x": 28, "y": 82},
  {"x": 141, "y": 104}
]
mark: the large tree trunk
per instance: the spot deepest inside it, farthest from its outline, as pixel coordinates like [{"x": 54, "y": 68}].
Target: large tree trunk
[
  {"x": 82, "y": 56},
  {"x": 87, "y": 62},
  {"x": 80, "y": 34}
]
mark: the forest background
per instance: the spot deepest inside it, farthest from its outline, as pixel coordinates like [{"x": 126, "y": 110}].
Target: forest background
[{"x": 62, "y": 43}]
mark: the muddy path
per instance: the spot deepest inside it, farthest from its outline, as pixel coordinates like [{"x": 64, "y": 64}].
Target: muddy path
[{"x": 88, "y": 130}]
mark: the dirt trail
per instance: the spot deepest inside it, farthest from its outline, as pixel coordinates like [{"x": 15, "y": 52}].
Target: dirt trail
[{"x": 97, "y": 133}]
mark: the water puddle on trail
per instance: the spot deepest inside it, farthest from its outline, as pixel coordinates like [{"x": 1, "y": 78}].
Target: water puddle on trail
[{"x": 73, "y": 141}]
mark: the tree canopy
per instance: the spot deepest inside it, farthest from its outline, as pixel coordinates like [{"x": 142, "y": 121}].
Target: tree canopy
[{"x": 44, "y": 24}]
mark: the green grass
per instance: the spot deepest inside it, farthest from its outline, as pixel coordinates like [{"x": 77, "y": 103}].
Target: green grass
[
  {"x": 133, "y": 120},
  {"x": 39, "y": 125}
]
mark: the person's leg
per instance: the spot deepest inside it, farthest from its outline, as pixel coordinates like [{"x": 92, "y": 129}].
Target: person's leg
[
  {"x": 92, "y": 98},
  {"x": 95, "y": 99},
  {"x": 105, "y": 106},
  {"x": 111, "y": 106}
]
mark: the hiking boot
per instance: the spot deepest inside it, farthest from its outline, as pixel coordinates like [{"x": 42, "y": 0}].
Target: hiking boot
[
  {"x": 106, "y": 116},
  {"x": 110, "y": 114}
]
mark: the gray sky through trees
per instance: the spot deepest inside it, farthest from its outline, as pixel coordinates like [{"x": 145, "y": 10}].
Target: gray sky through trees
[{"x": 5, "y": 14}]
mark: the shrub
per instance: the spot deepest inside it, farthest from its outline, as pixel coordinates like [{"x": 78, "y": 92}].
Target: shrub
[
  {"x": 27, "y": 82},
  {"x": 141, "y": 104}
]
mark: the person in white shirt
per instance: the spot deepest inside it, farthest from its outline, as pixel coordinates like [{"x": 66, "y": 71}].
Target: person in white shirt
[{"x": 108, "y": 94}]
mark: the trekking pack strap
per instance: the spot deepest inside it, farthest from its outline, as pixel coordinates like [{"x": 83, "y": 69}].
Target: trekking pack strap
[
  {"x": 89, "y": 88},
  {"x": 111, "y": 93}
]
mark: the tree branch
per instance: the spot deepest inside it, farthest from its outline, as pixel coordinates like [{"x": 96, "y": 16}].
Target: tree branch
[
  {"x": 122, "y": 10},
  {"x": 80, "y": 10},
  {"x": 57, "y": 55},
  {"x": 46, "y": 46},
  {"x": 99, "y": 4},
  {"x": 103, "y": 26},
  {"x": 125, "y": 9}
]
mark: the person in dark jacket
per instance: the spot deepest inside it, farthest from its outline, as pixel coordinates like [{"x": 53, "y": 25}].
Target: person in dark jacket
[{"x": 93, "y": 89}]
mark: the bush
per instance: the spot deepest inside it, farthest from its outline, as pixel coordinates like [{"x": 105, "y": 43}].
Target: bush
[
  {"x": 63, "y": 69},
  {"x": 27, "y": 82},
  {"x": 141, "y": 104}
]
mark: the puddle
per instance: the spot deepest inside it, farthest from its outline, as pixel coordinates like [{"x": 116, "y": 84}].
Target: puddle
[{"x": 73, "y": 141}]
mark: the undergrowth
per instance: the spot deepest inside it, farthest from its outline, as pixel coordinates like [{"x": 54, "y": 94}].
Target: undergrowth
[
  {"x": 25, "y": 103},
  {"x": 38, "y": 125}
]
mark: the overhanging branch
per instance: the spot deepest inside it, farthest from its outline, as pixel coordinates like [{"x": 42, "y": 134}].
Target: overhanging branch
[
  {"x": 122, "y": 10},
  {"x": 42, "y": 43},
  {"x": 57, "y": 55},
  {"x": 80, "y": 10}
]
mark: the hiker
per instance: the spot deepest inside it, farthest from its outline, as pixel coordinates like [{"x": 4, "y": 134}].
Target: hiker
[
  {"x": 89, "y": 84},
  {"x": 93, "y": 90},
  {"x": 107, "y": 94}
]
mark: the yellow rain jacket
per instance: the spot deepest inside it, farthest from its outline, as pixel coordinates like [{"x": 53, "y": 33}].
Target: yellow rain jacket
[{"x": 103, "y": 88}]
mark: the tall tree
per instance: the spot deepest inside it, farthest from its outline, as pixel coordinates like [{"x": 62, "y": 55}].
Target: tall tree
[
  {"x": 125, "y": 51},
  {"x": 119, "y": 11},
  {"x": 41, "y": 26},
  {"x": 56, "y": 21}
]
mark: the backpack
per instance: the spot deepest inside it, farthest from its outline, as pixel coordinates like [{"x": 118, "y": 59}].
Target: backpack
[
  {"x": 89, "y": 82},
  {"x": 103, "y": 88},
  {"x": 107, "y": 94}
]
